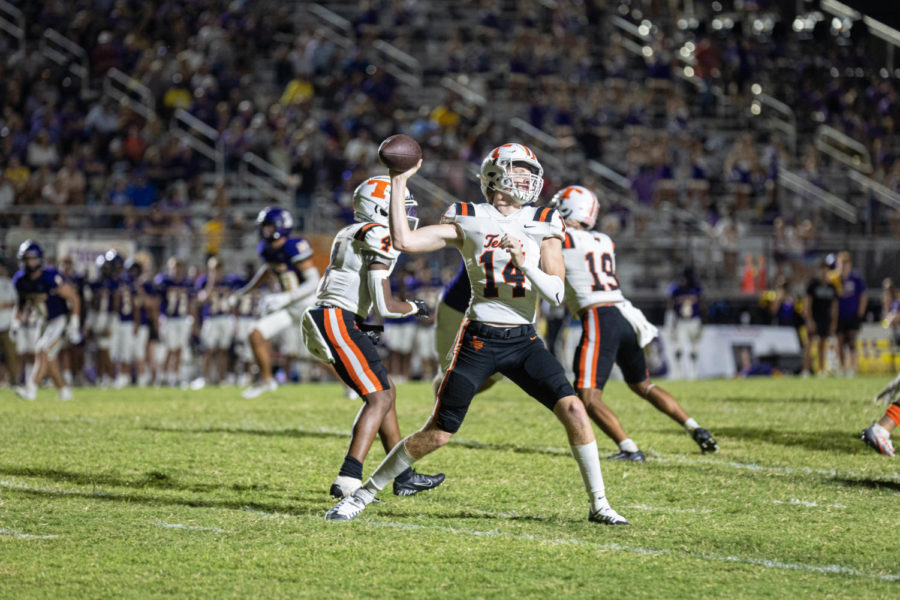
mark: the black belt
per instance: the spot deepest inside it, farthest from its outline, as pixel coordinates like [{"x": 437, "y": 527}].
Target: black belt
[{"x": 500, "y": 333}]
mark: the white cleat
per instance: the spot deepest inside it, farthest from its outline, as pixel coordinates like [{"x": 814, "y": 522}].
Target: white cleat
[
  {"x": 198, "y": 384},
  {"x": 348, "y": 508},
  {"x": 607, "y": 516},
  {"x": 65, "y": 394},
  {"x": 26, "y": 392},
  {"x": 343, "y": 486},
  {"x": 255, "y": 391},
  {"x": 121, "y": 382}
]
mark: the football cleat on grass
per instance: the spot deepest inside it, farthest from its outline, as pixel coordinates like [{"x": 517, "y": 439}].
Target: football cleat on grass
[
  {"x": 343, "y": 486},
  {"x": 637, "y": 456},
  {"x": 64, "y": 394},
  {"x": 257, "y": 390},
  {"x": 348, "y": 508},
  {"x": 879, "y": 443},
  {"x": 607, "y": 516},
  {"x": 417, "y": 482},
  {"x": 26, "y": 392},
  {"x": 705, "y": 440}
]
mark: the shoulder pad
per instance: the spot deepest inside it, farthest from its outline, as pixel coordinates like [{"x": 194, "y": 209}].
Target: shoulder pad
[
  {"x": 376, "y": 239},
  {"x": 457, "y": 210},
  {"x": 298, "y": 249}
]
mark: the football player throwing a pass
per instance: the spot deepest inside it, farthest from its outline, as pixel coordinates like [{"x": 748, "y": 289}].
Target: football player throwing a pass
[
  {"x": 512, "y": 254},
  {"x": 613, "y": 331},
  {"x": 362, "y": 258}
]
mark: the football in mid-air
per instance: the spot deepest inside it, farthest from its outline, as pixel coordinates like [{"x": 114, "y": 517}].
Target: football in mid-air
[{"x": 399, "y": 152}]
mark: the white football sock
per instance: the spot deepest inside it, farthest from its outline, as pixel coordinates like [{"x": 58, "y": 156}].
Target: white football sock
[
  {"x": 691, "y": 425},
  {"x": 397, "y": 461},
  {"x": 628, "y": 445},
  {"x": 589, "y": 464}
]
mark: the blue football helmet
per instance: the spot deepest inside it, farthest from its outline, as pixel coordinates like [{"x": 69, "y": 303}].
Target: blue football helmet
[
  {"x": 114, "y": 259},
  {"x": 279, "y": 217},
  {"x": 30, "y": 249}
]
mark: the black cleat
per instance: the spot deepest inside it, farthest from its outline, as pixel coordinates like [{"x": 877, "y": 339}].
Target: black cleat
[
  {"x": 416, "y": 483},
  {"x": 632, "y": 456},
  {"x": 705, "y": 440}
]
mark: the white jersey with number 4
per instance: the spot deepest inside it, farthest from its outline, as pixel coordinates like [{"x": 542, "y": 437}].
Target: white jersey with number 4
[
  {"x": 590, "y": 270},
  {"x": 500, "y": 292},
  {"x": 355, "y": 248}
]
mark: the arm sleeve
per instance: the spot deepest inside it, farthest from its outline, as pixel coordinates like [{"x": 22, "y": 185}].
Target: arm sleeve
[
  {"x": 549, "y": 286},
  {"x": 309, "y": 285},
  {"x": 376, "y": 290}
]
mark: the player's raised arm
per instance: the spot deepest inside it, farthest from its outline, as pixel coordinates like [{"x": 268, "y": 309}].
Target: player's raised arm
[{"x": 404, "y": 238}]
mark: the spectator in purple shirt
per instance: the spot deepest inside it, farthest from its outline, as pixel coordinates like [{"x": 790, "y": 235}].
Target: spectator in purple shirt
[{"x": 851, "y": 309}]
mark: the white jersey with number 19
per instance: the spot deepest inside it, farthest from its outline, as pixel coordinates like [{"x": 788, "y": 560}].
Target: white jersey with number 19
[
  {"x": 590, "y": 270},
  {"x": 501, "y": 293}
]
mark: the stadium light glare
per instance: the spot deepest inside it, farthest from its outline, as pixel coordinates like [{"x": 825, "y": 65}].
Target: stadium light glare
[
  {"x": 755, "y": 108},
  {"x": 689, "y": 71},
  {"x": 756, "y": 89}
]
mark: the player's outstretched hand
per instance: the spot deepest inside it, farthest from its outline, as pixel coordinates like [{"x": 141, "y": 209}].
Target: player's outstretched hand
[
  {"x": 406, "y": 174},
  {"x": 515, "y": 248},
  {"x": 423, "y": 311}
]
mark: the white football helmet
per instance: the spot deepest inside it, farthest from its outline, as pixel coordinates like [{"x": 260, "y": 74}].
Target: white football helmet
[
  {"x": 496, "y": 173},
  {"x": 372, "y": 199},
  {"x": 577, "y": 203}
]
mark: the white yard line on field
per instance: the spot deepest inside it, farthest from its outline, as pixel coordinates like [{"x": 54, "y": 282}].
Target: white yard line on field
[
  {"x": 614, "y": 547},
  {"x": 807, "y": 503},
  {"x": 26, "y": 536},
  {"x": 187, "y": 527}
]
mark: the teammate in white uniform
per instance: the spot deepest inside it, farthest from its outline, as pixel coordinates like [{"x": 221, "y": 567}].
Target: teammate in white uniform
[
  {"x": 357, "y": 279},
  {"x": 290, "y": 260},
  {"x": 613, "y": 331},
  {"x": 512, "y": 253}
]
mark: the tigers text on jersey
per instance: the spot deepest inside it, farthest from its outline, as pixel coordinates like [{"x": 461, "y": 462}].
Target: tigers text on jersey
[
  {"x": 501, "y": 293},
  {"x": 285, "y": 260},
  {"x": 590, "y": 270},
  {"x": 355, "y": 247}
]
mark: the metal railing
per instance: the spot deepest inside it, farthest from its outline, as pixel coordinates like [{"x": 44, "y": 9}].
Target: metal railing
[
  {"x": 67, "y": 53},
  {"x": 270, "y": 181},
  {"x": 547, "y": 143},
  {"x": 882, "y": 193},
  {"x": 131, "y": 92},
  {"x": 827, "y": 200},
  {"x": 843, "y": 148},
  {"x": 637, "y": 40},
  {"x": 463, "y": 91},
  {"x": 199, "y": 136},
  {"x": 12, "y": 21},
  {"x": 876, "y": 28},
  {"x": 783, "y": 118},
  {"x": 399, "y": 64}
]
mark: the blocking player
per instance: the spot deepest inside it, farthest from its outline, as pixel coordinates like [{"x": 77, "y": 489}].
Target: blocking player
[
  {"x": 613, "y": 331},
  {"x": 44, "y": 288},
  {"x": 290, "y": 260},
  {"x": 513, "y": 252},
  {"x": 357, "y": 279}
]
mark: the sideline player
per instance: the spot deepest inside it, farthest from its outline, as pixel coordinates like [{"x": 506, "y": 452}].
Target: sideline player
[
  {"x": 44, "y": 288},
  {"x": 217, "y": 328},
  {"x": 512, "y": 253},
  {"x": 821, "y": 311},
  {"x": 290, "y": 260},
  {"x": 357, "y": 279},
  {"x": 687, "y": 326},
  {"x": 176, "y": 318},
  {"x": 613, "y": 331}
]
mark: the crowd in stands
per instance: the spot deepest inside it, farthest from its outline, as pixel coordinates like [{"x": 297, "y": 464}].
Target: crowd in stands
[{"x": 268, "y": 80}]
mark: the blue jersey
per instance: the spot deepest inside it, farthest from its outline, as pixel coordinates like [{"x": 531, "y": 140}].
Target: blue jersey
[
  {"x": 285, "y": 260},
  {"x": 247, "y": 304},
  {"x": 217, "y": 301},
  {"x": 102, "y": 293},
  {"x": 458, "y": 292},
  {"x": 148, "y": 291},
  {"x": 176, "y": 295},
  {"x": 686, "y": 300},
  {"x": 40, "y": 292}
]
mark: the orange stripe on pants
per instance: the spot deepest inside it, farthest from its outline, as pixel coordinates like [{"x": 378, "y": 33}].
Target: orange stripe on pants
[
  {"x": 359, "y": 356},
  {"x": 345, "y": 360}
]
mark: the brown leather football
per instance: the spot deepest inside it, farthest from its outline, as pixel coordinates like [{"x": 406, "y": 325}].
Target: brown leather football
[{"x": 399, "y": 152}]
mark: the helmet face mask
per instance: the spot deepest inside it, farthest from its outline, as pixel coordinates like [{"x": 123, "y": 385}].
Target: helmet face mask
[
  {"x": 502, "y": 171},
  {"x": 372, "y": 200},
  {"x": 577, "y": 203},
  {"x": 274, "y": 223},
  {"x": 31, "y": 256}
]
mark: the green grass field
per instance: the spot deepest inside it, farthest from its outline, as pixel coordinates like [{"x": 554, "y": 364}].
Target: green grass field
[{"x": 144, "y": 493}]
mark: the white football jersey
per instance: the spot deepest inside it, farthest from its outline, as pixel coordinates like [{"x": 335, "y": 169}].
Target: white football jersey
[
  {"x": 501, "y": 293},
  {"x": 355, "y": 247},
  {"x": 590, "y": 269}
]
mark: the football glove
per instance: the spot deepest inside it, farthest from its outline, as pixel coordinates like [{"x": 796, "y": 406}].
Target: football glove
[
  {"x": 275, "y": 302},
  {"x": 423, "y": 311},
  {"x": 73, "y": 331}
]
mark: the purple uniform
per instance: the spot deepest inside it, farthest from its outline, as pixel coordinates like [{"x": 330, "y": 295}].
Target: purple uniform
[
  {"x": 176, "y": 295},
  {"x": 686, "y": 300},
  {"x": 852, "y": 288},
  {"x": 458, "y": 292},
  {"x": 285, "y": 261},
  {"x": 39, "y": 292},
  {"x": 217, "y": 301}
]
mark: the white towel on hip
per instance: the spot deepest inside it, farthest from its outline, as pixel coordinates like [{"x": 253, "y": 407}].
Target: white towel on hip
[{"x": 644, "y": 329}]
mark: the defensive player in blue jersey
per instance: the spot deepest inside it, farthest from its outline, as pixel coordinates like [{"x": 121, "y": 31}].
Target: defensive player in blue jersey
[
  {"x": 290, "y": 260},
  {"x": 45, "y": 289},
  {"x": 217, "y": 328}
]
